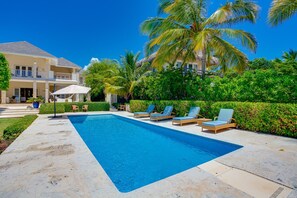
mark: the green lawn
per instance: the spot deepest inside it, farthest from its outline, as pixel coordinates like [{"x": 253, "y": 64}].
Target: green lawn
[{"x": 5, "y": 122}]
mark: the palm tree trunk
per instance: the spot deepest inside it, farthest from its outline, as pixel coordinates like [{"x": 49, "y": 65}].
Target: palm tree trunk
[{"x": 203, "y": 63}]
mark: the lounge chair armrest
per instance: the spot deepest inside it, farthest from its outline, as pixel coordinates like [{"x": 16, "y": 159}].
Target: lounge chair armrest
[
  {"x": 215, "y": 118},
  {"x": 199, "y": 116}
]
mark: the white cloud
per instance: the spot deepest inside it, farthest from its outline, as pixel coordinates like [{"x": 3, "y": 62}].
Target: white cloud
[{"x": 92, "y": 61}]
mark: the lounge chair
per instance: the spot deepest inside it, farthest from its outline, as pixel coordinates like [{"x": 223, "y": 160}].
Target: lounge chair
[
  {"x": 162, "y": 116},
  {"x": 74, "y": 108},
  {"x": 222, "y": 122},
  {"x": 147, "y": 113},
  {"x": 122, "y": 107},
  {"x": 85, "y": 108},
  {"x": 190, "y": 118}
]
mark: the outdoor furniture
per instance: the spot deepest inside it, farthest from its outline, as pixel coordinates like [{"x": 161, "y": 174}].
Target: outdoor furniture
[
  {"x": 85, "y": 108},
  {"x": 147, "y": 113},
  {"x": 23, "y": 99},
  {"x": 163, "y": 116},
  {"x": 201, "y": 120},
  {"x": 74, "y": 108},
  {"x": 122, "y": 108},
  {"x": 190, "y": 118},
  {"x": 222, "y": 122}
]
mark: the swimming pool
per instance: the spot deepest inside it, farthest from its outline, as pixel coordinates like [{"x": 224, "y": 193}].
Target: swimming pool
[{"x": 135, "y": 154}]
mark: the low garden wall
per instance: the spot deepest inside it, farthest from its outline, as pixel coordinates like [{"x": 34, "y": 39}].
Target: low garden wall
[
  {"x": 48, "y": 108},
  {"x": 273, "y": 118}
]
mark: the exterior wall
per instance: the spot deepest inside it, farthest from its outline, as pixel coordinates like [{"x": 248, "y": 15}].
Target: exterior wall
[
  {"x": 18, "y": 60},
  {"x": 65, "y": 73},
  {"x": 42, "y": 81},
  {"x": 197, "y": 64},
  {"x": 61, "y": 69},
  {"x": 14, "y": 85}
]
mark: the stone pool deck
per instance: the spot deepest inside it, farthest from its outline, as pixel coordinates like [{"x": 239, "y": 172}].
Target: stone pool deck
[{"x": 50, "y": 159}]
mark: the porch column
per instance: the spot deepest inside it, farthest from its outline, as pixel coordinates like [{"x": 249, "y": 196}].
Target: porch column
[
  {"x": 108, "y": 98},
  {"x": 3, "y": 97},
  {"x": 46, "y": 91},
  {"x": 34, "y": 69},
  {"x": 76, "y": 98},
  {"x": 34, "y": 89},
  {"x": 89, "y": 97},
  {"x": 47, "y": 68}
]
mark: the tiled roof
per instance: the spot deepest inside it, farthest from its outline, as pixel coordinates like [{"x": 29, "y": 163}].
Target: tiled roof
[
  {"x": 66, "y": 63},
  {"x": 24, "y": 48}
]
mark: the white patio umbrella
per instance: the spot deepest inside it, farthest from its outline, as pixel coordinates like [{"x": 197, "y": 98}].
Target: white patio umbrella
[{"x": 73, "y": 89}]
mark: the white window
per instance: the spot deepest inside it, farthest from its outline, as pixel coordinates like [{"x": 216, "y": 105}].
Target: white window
[
  {"x": 30, "y": 71},
  {"x": 178, "y": 64},
  {"x": 195, "y": 67},
  {"x": 17, "y": 71},
  {"x": 23, "y": 71},
  {"x": 190, "y": 68}
]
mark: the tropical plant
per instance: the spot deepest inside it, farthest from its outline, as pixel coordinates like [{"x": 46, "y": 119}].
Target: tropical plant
[
  {"x": 5, "y": 74},
  {"x": 128, "y": 76},
  {"x": 38, "y": 99},
  {"x": 264, "y": 81},
  {"x": 290, "y": 56},
  {"x": 187, "y": 33},
  {"x": 281, "y": 10},
  {"x": 98, "y": 72},
  {"x": 260, "y": 63}
]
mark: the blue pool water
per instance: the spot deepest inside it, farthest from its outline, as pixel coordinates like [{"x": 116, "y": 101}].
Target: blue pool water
[{"x": 135, "y": 154}]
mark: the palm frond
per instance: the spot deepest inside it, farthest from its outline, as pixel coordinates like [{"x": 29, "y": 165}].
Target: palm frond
[
  {"x": 281, "y": 10},
  {"x": 247, "y": 39},
  {"x": 231, "y": 13},
  {"x": 229, "y": 56}
]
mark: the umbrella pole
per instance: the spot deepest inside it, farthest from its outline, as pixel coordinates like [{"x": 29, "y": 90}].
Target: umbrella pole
[{"x": 55, "y": 102}]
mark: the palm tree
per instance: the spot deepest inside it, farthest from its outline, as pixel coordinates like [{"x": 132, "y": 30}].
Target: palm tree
[
  {"x": 187, "y": 33},
  {"x": 98, "y": 72},
  {"x": 290, "y": 56},
  {"x": 281, "y": 10},
  {"x": 128, "y": 76}
]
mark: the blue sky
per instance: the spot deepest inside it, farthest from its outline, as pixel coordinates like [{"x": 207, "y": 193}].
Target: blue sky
[{"x": 80, "y": 30}]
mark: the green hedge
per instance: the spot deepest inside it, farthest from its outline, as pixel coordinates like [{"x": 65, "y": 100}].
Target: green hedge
[
  {"x": 273, "y": 118},
  {"x": 14, "y": 130},
  {"x": 48, "y": 108},
  {"x": 180, "y": 106},
  {"x": 92, "y": 106},
  {"x": 66, "y": 107}
]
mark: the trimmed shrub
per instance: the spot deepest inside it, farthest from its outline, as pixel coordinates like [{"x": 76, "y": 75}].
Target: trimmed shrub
[
  {"x": 66, "y": 107},
  {"x": 273, "y": 118},
  {"x": 48, "y": 108},
  {"x": 92, "y": 106},
  {"x": 180, "y": 107},
  {"x": 14, "y": 130}
]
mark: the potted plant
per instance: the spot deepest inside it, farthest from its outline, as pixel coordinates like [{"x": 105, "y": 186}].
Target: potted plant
[{"x": 36, "y": 101}]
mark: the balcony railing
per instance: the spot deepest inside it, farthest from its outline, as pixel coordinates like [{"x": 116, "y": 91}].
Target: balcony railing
[
  {"x": 22, "y": 74},
  {"x": 65, "y": 76}
]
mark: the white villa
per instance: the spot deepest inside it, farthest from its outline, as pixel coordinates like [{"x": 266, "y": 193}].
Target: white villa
[
  {"x": 34, "y": 72},
  {"x": 194, "y": 66}
]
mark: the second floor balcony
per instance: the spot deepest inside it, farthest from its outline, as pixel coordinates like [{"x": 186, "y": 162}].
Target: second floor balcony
[{"x": 51, "y": 75}]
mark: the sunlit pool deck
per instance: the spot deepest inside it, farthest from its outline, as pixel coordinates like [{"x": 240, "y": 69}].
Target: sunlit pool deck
[{"x": 51, "y": 160}]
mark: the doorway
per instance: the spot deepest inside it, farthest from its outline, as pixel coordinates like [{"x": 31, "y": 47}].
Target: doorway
[{"x": 26, "y": 93}]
